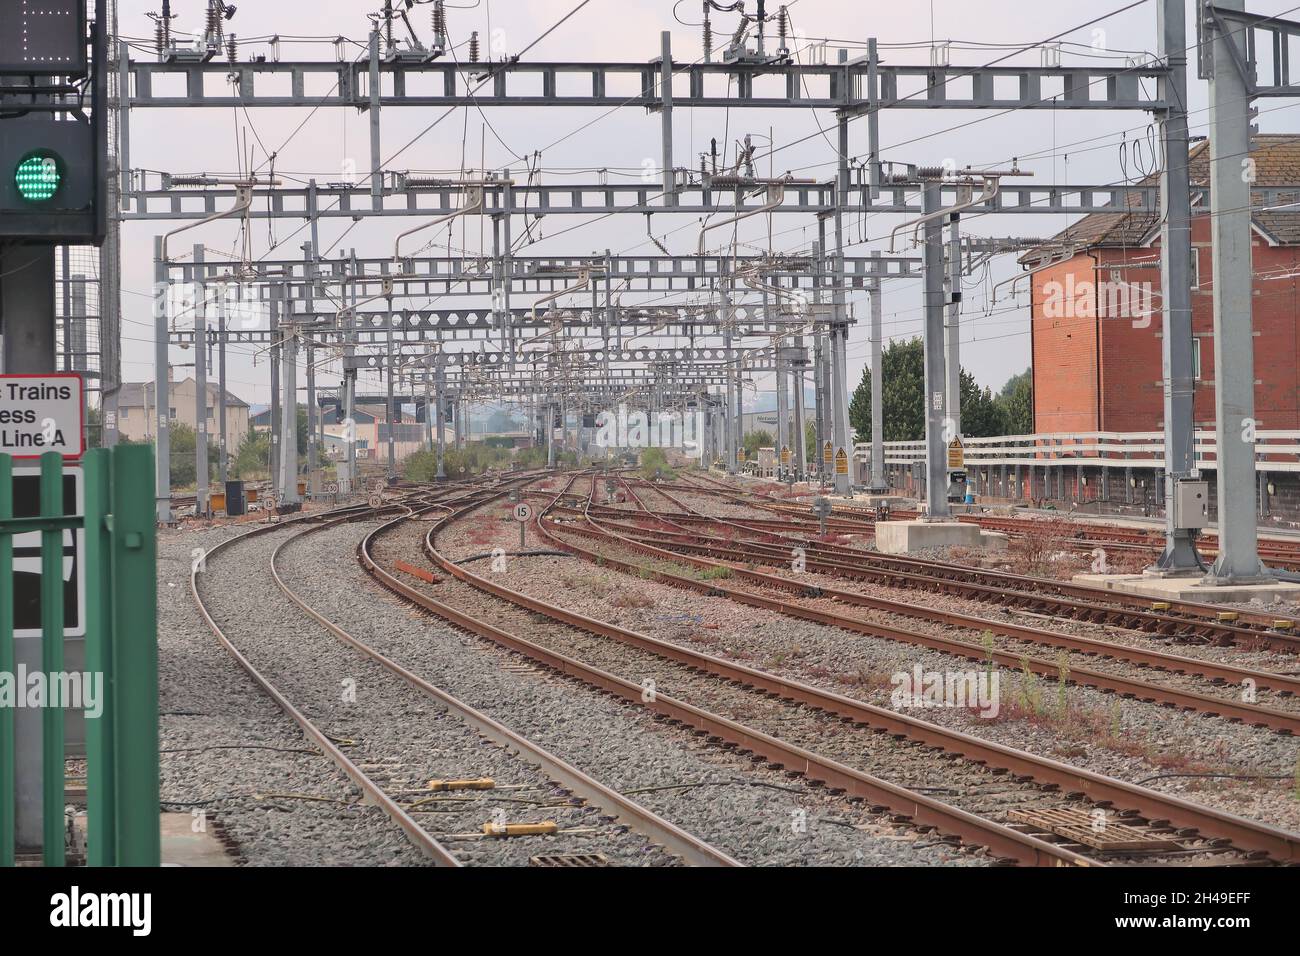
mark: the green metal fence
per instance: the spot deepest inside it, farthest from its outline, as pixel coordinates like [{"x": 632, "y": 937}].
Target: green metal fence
[{"x": 120, "y": 643}]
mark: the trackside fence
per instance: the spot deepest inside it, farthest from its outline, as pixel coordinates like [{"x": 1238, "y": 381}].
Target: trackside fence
[{"x": 120, "y": 571}]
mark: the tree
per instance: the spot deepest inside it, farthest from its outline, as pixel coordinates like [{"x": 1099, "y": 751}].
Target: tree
[
  {"x": 983, "y": 414},
  {"x": 903, "y": 366},
  {"x": 1017, "y": 397},
  {"x": 753, "y": 441},
  {"x": 183, "y": 443},
  {"x": 253, "y": 460}
]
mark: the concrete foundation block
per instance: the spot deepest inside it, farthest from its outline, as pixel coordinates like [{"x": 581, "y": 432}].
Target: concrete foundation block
[
  {"x": 1191, "y": 589},
  {"x": 905, "y": 537}
]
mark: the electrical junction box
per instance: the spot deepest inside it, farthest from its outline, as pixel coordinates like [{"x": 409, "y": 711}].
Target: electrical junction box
[{"x": 1191, "y": 504}]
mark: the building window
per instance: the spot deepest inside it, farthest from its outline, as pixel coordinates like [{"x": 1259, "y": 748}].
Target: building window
[
  {"x": 1196, "y": 268},
  {"x": 171, "y": 413},
  {"x": 1196, "y": 359}
]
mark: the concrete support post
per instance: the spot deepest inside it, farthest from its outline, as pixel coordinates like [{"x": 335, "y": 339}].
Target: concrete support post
[
  {"x": 1234, "y": 341},
  {"x": 289, "y": 414},
  {"x": 1175, "y": 282},
  {"x": 313, "y": 413},
  {"x": 161, "y": 396},
  {"x": 666, "y": 116},
  {"x": 936, "y": 413},
  {"x": 201, "y": 477},
  {"x": 800, "y": 442},
  {"x": 877, "y": 483},
  {"x": 390, "y": 408},
  {"x": 840, "y": 329},
  {"x": 952, "y": 328},
  {"x": 376, "y": 174},
  {"x": 28, "y": 314},
  {"x": 428, "y": 413},
  {"x": 277, "y": 411},
  {"x": 223, "y": 437},
  {"x": 439, "y": 404}
]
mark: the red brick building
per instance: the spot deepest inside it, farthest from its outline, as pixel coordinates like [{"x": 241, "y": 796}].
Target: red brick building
[{"x": 1096, "y": 325}]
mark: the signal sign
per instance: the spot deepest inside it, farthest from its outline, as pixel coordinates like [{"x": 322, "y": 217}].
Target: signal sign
[
  {"x": 43, "y": 36},
  {"x": 956, "y": 455},
  {"x": 841, "y": 462},
  {"x": 41, "y": 413},
  {"x": 27, "y": 554}
]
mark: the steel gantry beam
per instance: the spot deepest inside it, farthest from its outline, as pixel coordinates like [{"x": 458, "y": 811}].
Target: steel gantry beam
[
  {"x": 160, "y": 200},
  {"x": 366, "y": 83}
]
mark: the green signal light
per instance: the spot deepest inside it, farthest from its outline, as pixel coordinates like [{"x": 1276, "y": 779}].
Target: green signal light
[{"x": 39, "y": 176}]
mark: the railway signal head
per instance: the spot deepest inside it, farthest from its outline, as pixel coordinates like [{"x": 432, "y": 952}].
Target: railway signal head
[{"x": 39, "y": 176}]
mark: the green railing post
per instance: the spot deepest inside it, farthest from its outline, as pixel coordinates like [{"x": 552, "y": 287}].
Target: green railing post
[
  {"x": 135, "y": 656},
  {"x": 53, "y": 773},
  {"x": 101, "y": 814},
  {"x": 7, "y": 665}
]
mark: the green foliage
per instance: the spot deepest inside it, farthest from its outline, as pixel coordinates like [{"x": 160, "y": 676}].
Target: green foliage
[
  {"x": 983, "y": 414},
  {"x": 720, "y": 572},
  {"x": 1017, "y": 396},
  {"x": 753, "y": 441},
  {"x": 903, "y": 394},
  {"x": 474, "y": 458},
  {"x": 253, "y": 460},
  {"x": 654, "y": 463},
  {"x": 183, "y": 442}
]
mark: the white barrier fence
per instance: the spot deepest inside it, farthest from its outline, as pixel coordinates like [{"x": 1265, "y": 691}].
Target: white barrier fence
[{"x": 1275, "y": 451}]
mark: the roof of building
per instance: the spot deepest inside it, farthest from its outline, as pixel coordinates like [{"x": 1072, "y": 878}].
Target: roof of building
[
  {"x": 1277, "y": 163},
  {"x": 140, "y": 395}
]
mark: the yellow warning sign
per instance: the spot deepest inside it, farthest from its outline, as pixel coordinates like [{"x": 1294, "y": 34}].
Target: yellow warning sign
[
  {"x": 956, "y": 455},
  {"x": 785, "y": 455},
  {"x": 841, "y": 462},
  {"x": 741, "y": 454},
  {"x": 828, "y": 453}
]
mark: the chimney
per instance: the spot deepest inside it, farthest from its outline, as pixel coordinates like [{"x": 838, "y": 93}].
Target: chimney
[{"x": 171, "y": 374}]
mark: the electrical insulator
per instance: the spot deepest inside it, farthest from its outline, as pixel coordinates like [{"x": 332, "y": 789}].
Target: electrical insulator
[
  {"x": 158, "y": 36},
  {"x": 439, "y": 23},
  {"x": 473, "y": 47},
  {"x": 232, "y": 48},
  {"x": 708, "y": 36},
  {"x": 214, "y": 22},
  {"x": 782, "y": 26}
]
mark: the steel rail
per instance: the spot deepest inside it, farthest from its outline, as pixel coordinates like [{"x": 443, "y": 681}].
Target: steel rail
[
  {"x": 1173, "y": 663},
  {"x": 668, "y": 835},
  {"x": 1246, "y": 834},
  {"x": 1253, "y": 714},
  {"x": 419, "y": 837},
  {"x": 923, "y": 810},
  {"x": 1066, "y": 598}
]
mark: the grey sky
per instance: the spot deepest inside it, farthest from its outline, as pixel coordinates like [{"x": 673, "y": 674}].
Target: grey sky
[{"x": 1072, "y": 147}]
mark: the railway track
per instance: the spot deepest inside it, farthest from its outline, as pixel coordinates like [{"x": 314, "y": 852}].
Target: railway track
[
  {"x": 411, "y": 805},
  {"x": 737, "y": 562},
  {"x": 1185, "y": 620},
  {"x": 1044, "y": 777},
  {"x": 807, "y": 606}
]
